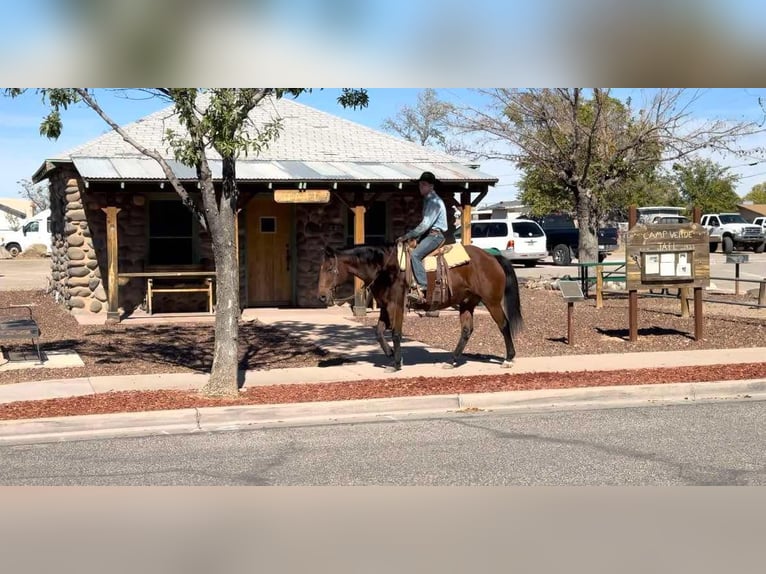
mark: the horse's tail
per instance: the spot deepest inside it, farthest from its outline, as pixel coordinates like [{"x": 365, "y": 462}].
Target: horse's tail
[{"x": 512, "y": 299}]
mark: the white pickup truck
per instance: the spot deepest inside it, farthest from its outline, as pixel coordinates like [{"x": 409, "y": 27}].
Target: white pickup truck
[
  {"x": 733, "y": 232},
  {"x": 36, "y": 230}
]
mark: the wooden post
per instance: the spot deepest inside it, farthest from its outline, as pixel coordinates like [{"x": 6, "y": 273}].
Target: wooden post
[
  {"x": 570, "y": 327},
  {"x": 599, "y": 286},
  {"x": 465, "y": 218},
  {"x": 698, "y": 325},
  {"x": 360, "y": 306},
  {"x": 683, "y": 293},
  {"x": 112, "y": 313},
  {"x": 632, "y": 294}
]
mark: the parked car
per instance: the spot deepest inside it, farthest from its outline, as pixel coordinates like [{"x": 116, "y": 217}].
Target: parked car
[
  {"x": 36, "y": 230},
  {"x": 519, "y": 240},
  {"x": 563, "y": 238},
  {"x": 733, "y": 232}
]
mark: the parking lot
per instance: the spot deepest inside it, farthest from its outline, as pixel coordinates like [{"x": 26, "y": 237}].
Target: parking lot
[{"x": 17, "y": 274}]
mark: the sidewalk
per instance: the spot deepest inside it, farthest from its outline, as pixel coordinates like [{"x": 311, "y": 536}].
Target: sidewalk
[{"x": 335, "y": 330}]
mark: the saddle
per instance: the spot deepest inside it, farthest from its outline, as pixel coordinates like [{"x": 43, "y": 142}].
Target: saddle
[{"x": 437, "y": 265}]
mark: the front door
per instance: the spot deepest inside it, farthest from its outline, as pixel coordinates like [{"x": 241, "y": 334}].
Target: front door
[{"x": 269, "y": 248}]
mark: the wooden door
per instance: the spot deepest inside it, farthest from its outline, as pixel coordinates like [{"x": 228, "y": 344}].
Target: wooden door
[{"x": 269, "y": 253}]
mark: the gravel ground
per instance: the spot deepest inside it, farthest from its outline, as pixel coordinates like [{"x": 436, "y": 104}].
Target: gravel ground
[{"x": 121, "y": 350}]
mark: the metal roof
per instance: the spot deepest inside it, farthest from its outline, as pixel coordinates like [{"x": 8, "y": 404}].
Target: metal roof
[
  {"x": 312, "y": 146},
  {"x": 146, "y": 169}
]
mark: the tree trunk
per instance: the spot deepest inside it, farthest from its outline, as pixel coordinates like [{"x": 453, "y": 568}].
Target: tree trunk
[
  {"x": 224, "y": 374},
  {"x": 587, "y": 221}
]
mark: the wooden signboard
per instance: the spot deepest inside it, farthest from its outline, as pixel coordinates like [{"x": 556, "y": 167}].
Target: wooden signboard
[
  {"x": 302, "y": 195},
  {"x": 667, "y": 256}
]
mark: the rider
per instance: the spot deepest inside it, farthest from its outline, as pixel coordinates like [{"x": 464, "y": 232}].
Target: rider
[{"x": 429, "y": 232}]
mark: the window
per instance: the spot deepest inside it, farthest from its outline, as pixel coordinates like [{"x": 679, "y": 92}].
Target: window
[
  {"x": 478, "y": 230},
  {"x": 268, "y": 224},
  {"x": 32, "y": 227},
  {"x": 173, "y": 237},
  {"x": 375, "y": 224},
  {"x": 526, "y": 229},
  {"x": 497, "y": 230}
]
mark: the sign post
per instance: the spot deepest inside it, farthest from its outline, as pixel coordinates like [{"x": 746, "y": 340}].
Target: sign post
[
  {"x": 571, "y": 291},
  {"x": 665, "y": 256}
]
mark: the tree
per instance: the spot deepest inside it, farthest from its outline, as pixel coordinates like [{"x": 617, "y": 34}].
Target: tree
[
  {"x": 38, "y": 194},
  {"x": 588, "y": 143},
  {"x": 425, "y": 124},
  {"x": 757, "y": 194},
  {"x": 707, "y": 185},
  {"x": 213, "y": 119}
]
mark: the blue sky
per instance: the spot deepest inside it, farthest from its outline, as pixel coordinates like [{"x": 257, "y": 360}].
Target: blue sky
[{"x": 22, "y": 149}]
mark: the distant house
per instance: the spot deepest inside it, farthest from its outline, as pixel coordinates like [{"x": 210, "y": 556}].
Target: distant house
[
  {"x": 500, "y": 210},
  {"x": 12, "y": 211},
  {"x": 752, "y": 210},
  {"x": 324, "y": 181}
]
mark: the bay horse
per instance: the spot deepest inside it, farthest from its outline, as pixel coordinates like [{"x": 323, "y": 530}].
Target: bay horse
[{"x": 489, "y": 279}]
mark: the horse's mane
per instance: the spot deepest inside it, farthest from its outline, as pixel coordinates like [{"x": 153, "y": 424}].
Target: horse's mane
[{"x": 376, "y": 255}]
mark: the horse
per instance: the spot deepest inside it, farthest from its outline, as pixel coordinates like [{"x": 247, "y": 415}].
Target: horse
[{"x": 485, "y": 278}]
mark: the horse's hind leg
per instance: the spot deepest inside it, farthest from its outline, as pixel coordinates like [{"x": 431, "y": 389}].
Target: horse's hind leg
[
  {"x": 497, "y": 313},
  {"x": 466, "y": 328}
]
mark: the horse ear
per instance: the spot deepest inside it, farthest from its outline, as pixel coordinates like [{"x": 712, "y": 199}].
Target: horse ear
[{"x": 329, "y": 251}]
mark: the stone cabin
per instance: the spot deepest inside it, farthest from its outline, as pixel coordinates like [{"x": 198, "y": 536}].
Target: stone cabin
[{"x": 324, "y": 180}]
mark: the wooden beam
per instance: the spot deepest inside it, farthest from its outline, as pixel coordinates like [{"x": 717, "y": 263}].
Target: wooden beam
[
  {"x": 479, "y": 197},
  {"x": 360, "y": 306},
  {"x": 465, "y": 217},
  {"x": 112, "y": 252}
]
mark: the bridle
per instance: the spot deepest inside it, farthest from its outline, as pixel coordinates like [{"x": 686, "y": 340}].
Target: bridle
[{"x": 334, "y": 287}]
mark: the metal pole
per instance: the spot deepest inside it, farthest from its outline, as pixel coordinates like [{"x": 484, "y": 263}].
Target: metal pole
[
  {"x": 736, "y": 278},
  {"x": 570, "y": 329}
]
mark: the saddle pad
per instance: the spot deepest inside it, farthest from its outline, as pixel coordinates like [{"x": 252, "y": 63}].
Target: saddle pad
[{"x": 457, "y": 255}]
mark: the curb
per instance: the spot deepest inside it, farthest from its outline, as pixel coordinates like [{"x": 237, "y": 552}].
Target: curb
[{"x": 211, "y": 419}]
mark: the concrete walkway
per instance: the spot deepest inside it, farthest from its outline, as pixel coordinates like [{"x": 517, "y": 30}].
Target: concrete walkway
[{"x": 335, "y": 330}]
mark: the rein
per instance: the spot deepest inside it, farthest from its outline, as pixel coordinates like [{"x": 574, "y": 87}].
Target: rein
[{"x": 334, "y": 287}]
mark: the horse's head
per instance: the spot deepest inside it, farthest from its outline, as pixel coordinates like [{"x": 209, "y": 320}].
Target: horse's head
[{"x": 333, "y": 273}]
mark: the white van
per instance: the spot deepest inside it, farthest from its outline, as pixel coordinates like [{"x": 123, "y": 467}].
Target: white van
[
  {"x": 36, "y": 230},
  {"x": 520, "y": 240}
]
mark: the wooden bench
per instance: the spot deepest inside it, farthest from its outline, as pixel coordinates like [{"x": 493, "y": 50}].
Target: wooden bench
[
  {"x": 17, "y": 323},
  {"x": 176, "y": 282}
]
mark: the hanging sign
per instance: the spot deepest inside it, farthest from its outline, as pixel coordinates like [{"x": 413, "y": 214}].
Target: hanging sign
[{"x": 302, "y": 195}]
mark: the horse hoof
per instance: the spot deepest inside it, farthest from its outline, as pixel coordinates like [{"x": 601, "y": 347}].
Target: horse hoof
[
  {"x": 392, "y": 369},
  {"x": 448, "y": 366},
  {"x": 507, "y": 364}
]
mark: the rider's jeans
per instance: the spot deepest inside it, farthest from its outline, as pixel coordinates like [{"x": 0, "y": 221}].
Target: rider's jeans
[{"x": 428, "y": 244}]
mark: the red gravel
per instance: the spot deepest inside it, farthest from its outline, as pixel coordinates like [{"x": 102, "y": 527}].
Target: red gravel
[{"x": 121, "y": 350}]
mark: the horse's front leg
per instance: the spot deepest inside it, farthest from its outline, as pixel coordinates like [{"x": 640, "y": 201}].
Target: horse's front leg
[
  {"x": 396, "y": 337},
  {"x": 384, "y": 322}
]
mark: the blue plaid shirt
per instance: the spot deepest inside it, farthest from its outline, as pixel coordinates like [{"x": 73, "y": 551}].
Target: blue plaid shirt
[{"x": 434, "y": 215}]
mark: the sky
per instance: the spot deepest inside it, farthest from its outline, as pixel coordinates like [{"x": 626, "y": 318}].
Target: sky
[{"x": 22, "y": 149}]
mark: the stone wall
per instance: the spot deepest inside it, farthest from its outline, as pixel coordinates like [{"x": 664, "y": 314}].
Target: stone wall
[{"x": 79, "y": 265}]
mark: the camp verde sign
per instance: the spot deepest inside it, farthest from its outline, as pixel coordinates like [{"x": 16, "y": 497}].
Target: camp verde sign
[
  {"x": 301, "y": 195},
  {"x": 667, "y": 255}
]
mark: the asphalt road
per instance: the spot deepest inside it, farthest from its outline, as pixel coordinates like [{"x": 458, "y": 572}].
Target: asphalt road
[{"x": 695, "y": 444}]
